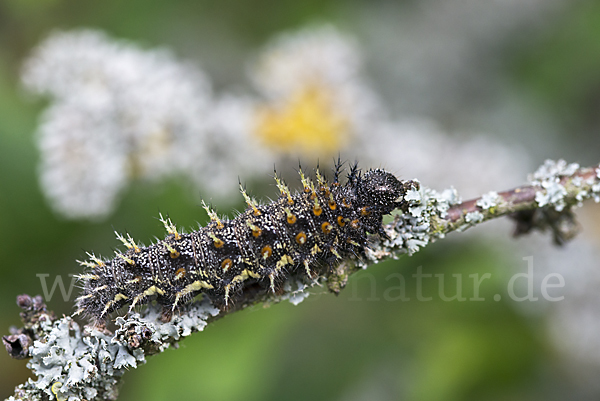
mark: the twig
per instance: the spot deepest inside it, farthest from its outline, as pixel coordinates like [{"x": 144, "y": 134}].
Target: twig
[{"x": 88, "y": 363}]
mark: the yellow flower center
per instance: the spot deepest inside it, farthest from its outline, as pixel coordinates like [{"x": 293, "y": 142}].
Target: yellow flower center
[{"x": 305, "y": 124}]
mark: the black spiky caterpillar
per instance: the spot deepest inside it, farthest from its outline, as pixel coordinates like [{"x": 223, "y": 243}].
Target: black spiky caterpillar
[{"x": 298, "y": 232}]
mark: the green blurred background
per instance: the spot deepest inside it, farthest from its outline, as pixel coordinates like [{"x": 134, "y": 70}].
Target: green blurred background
[{"x": 351, "y": 347}]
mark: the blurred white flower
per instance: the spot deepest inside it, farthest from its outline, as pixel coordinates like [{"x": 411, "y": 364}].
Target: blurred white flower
[
  {"x": 118, "y": 112},
  {"x": 83, "y": 165},
  {"x": 316, "y": 100},
  {"x": 228, "y": 152}
]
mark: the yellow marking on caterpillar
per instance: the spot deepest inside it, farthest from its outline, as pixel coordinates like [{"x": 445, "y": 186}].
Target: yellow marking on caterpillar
[
  {"x": 213, "y": 215},
  {"x": 87, "y": 277},
  {"x": 153, "y": 290},
  {"x": 135, "y": 301},
  {"x": 320, "y": 180},
  {"x": 313, "y": 192},
  {"x": 285, "y": 259},
  {"x": 252, "y": 274},
  {"x": 107, "y": 307},
  {"x": 272, "y": 279},
  {"x": 172, "y": 251},
  {"x": 87, "y": 264},
  {"x": 352, "y": 242},
  {"x": 307, "y": 268},
  {"x": 170, "y": 227},
  {"x": 256, "y": 231},
  {"x": 317, "y": 210},
  {"x": 126, "y": 259},
  {"x": 119, "y": 297},
  {"x": 101, "y": 288},
  {"x": 227, "y": 287},
  {"x": 285, "y": 191},
  {"x": 306, "y": 184},
  {"x": 250, "y": 201},
  {"x": 193, "y": 287},
  {"x": 136, "y": 248},
  {"x": 240, "y": 278},
  {"x": 337, "y": 255},
  {"x": 128, "y": 242},
  {"x": 217, "y": 242},
  {"x": 245, "y": 275},
  {"x": 197, "y": 286},
  {"x": 134, "y": 280},
  {"x": 96, "y": 262},
  {"x": 315, "y": 250},
  {"x": 177, "y": 297}
]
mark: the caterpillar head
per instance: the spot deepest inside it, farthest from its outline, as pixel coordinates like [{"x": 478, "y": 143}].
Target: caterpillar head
[{"x": 381, "y": 190}]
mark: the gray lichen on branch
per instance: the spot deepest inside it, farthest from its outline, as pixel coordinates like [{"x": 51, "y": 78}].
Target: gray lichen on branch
[
  {"x": 71, "y": 363},
  {"x": 554, "y": 189}
]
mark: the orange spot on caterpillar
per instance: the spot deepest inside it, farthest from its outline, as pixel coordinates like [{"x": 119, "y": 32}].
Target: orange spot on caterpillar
[
  {"x": 226, "y": 264},
  {"x": 301, "y": 238},
  {"x": 340, "y": 221},
  {"x": 266, "y": 251},
  {"x": 291, "y": 219},
  {"x": 326, "y": 227}
]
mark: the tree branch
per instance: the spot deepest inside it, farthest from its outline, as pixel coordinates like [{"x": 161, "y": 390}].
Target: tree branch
[{"x": 88, "y": 363}]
